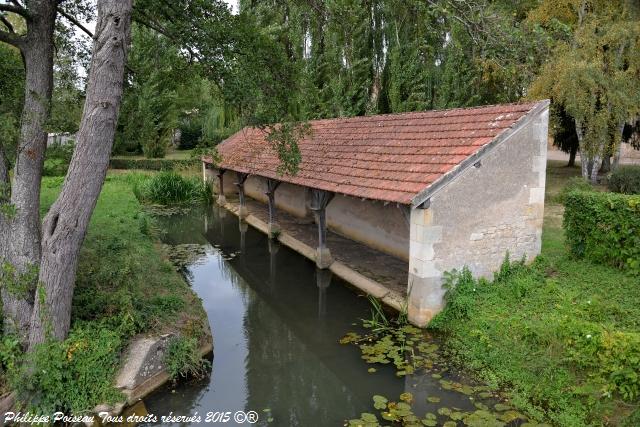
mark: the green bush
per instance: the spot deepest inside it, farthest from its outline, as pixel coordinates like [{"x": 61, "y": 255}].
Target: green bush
[
  {"x": 615, "y": 356},
  {"x": 190, "y": 134},
  {"x": 152, "y": 164},
  {"x": 57, "y": 159},
  {"x": 155, "y": 147},
  {"x": 577, "y": 183},
  {"x": 625, "y": 180},
  {"x": 71, "y": 375},
  {"x": 604, "y": 227},
  {"x": 170, "y": 188},
  {"x": 183, "y": 359}
]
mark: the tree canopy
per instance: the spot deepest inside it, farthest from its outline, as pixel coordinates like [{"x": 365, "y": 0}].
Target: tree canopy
[{"x": 594, "y": 72}]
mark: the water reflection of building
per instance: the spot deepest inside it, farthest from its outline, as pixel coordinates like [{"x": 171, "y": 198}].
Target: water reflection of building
[{"x": 296, "y": 367}]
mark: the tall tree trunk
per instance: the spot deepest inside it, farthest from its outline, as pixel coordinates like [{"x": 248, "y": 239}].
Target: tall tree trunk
[
  {"x": 584, "y": 157},
  {"x": 65, "y": 225},
  {"x": 21, "y": 250},
  {"x": 595, "y": 167},
  {"x": 606, "y": 164},
  {"x": 572, "y": 156}
]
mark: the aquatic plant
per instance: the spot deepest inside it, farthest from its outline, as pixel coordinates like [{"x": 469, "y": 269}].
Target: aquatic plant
[
  {"x": 182, "y": 256},
  {"x": 171, "y": 188},
  {"x": 400, "y": 413},
  {"x": 393, "y": 341}
]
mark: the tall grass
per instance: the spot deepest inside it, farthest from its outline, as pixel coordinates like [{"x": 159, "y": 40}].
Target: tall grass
[{"x": 170, "y": 188}]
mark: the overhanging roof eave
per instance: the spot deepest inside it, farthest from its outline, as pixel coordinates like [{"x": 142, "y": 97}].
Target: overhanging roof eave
[{"x": 450, "y": 176}]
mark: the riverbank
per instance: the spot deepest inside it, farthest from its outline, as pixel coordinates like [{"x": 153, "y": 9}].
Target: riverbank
[
  {"x": 126, "y": 290},
  {"x": 555, "y": 335}
]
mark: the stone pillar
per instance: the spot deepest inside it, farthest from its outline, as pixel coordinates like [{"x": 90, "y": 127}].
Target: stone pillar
[
  {"x": 221, "y": 199},
  {"x": 323, "y": 280},
  {"x": 319, "y": 201},
  {"x": 272, "y": 186},
  {"x": 426, "y": 295},
  {"x": 242, "y": 177}
]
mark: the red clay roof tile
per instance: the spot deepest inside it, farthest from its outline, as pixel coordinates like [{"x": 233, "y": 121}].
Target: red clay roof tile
[{"x": 386, "y": 157}]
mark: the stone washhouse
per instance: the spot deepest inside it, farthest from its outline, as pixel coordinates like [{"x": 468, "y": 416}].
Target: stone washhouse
[{"x": 435, "y": 190}]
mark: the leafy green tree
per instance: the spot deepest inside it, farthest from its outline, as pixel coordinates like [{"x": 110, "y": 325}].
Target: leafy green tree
[
  {"x": 377, "y": 56},
  {"x": 594, "y": 73}
]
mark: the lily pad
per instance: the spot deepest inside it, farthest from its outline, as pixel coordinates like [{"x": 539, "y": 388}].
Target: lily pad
[
  {"x": 444, "y": 411},
  {"x": 457, "y": 415},
  {"x": 380, "y": 402},
  {"x": 509, "y": 416},
  {"x": 406, "y": 397}
]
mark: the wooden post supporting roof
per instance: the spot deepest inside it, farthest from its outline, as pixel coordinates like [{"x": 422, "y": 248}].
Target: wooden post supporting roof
[
  {"x": 272, "y": 186},
  {"x": 319, "y": 201},
  {"x": 242, "y": 177},
  {"x": 221, "y": 199}
]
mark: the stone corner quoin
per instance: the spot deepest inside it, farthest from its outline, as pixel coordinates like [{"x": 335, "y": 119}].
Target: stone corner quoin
[{"x": 486, "y": 210}]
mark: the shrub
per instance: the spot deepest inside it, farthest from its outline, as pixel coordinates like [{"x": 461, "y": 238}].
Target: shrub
[
  {"x": 57, "y": 159},
  {"x": 152, "y": 164},
  {"x": 182, "y": 358},
  {"x": 72, "y": 375},
  {"x": 576, "y": 183},
  {"x": 170, "y": 188},
  {"x": 604, "y": 227},
  {"x": 615, "y": 356},
  {"x": 190, "y": 135},
  {"x": 625, "y": 179}
]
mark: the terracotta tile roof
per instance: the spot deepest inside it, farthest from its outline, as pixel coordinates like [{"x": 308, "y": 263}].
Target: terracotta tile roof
[{"x": 386, "y": 157}]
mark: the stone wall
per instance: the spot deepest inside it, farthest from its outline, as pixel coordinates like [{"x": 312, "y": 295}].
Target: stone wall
[
  {"x": 487, "y": 210},
  {"x": 289, "y": 198},
  {"x": 380, "y": 226}
]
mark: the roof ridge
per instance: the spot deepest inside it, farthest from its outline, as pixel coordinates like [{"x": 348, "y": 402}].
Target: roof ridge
[
  {"x": 442, "y": 110},
  {"x": 384, "y": 161}
]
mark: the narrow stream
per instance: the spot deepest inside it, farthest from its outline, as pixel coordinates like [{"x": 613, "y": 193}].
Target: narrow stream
[{"x": 276, "y": 322}]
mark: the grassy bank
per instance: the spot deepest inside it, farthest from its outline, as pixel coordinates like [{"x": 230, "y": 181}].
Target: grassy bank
[
  {"x": 124, "y": 287},
  {"x": 553, "y": 334}
]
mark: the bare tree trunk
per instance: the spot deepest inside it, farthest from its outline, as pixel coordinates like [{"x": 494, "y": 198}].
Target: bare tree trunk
[
  {"x": 21, "y": 249},
  {"x": 572, "y": 157},
  {"x": 606, "y": 164},
  {"x": 584, "y": 160},
  {"x": 65, "y": 225},
  {"x": 595, "y": 168}
]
